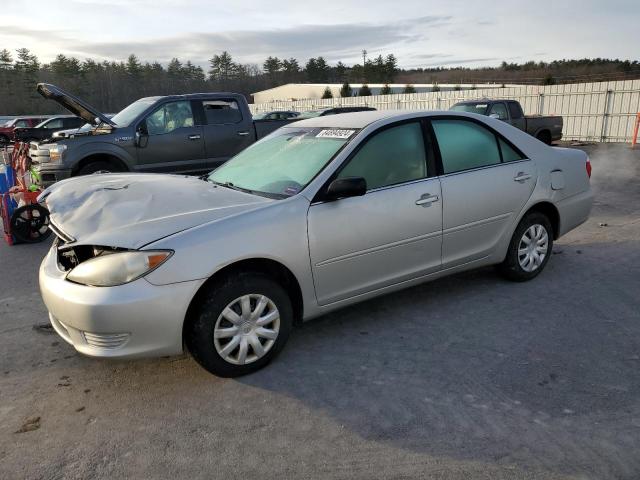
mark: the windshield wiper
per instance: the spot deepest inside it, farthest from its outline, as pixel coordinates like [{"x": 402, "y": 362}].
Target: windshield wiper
[{"x": 232, "y": 186}]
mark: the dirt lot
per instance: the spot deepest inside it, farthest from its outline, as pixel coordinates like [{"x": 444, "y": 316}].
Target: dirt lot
[{"x": 466, "y": 377}]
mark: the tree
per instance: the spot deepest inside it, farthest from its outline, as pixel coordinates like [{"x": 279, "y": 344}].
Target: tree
[
  {"x": 386, "y": 90},
  {"x": 548, "y": 80},
  {"x": 222, "y": 68},
  {"x": 134, "y": 68},
  {"x": 434, "y": 88},
  {"x": 408, "y": 88},
  {"x": 340, "y": 72},
  {"x": 457, "y": 88},
  {"x": 5, "y": 59},
  {"x": 346, "y": 90},
  {"x": 390, "y": 68},
  {"x": 327, "y": 93},
  {"x": 272, "y": 65},
  {"x": 364, "y": 91}
]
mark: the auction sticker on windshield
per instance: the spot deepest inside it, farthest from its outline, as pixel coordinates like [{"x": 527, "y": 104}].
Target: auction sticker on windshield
[{"x": 335, "y": 133}]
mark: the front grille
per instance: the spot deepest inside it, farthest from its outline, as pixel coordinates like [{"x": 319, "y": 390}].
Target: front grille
[{"x": 106, "y": 340}]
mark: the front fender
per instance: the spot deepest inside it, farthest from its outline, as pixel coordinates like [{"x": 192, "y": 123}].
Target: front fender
[{"x": 77, "y": 153}]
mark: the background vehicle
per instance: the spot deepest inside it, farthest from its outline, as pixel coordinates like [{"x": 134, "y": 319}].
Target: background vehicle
[
  {"x": 47, "y": 128},
  {"x": 178, "y": 133},
  {"x": 7, "y": 130},
  {"x": 276, "y": 115},
  {"x": 546, "y": 128},
  {"x": 230, "y": 263},
  {"x": 321, "y": 112}
]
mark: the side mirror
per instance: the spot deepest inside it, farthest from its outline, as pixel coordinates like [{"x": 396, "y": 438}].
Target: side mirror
[
  {"x": 141, "y": 132},
  {"x": 346, "y": 187}
]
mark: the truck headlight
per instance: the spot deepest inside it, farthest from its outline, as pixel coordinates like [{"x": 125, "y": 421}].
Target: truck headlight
[
  {"x": 55, "y": 153},
  {"x": 118, "y": 268}
]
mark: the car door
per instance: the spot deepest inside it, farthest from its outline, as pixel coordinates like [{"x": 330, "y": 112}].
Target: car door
[
  {"x": 486, "y": 182},
  {"x": 171, "y": 141},
  {"x": 226, "y": 131},
  {"x": 390, "y": 234}
]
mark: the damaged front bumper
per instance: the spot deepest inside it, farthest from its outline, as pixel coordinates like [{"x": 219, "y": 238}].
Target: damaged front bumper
[{"x": 137, "y": 319}]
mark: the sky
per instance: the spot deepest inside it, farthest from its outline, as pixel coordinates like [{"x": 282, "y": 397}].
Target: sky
[{"x": 421, "y": 33}]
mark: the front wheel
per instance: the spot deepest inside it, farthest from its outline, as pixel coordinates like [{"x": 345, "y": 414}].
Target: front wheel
[
  {"x": 529, "y": 249},
  {"x": 241, "y": 324}
]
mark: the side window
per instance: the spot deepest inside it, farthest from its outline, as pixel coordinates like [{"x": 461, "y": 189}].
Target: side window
[
  {"x": 73, "y": 122},
  {"x": 515, "y": 110},
  {"x": 170, "y": 117},
  {"x": 394, "y": 155},
  {"x": 508, "y": 153},
  {"x": 21, "y": 123},
  {"x": 223, "y": 111},
  {"x": 465, "y": 145},
  {"x": 57, "y": 123},
  {"x": 500, "y": 110}
]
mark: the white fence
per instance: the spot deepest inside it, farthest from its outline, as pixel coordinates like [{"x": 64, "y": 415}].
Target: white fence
[{"x": 601, "y": 112}]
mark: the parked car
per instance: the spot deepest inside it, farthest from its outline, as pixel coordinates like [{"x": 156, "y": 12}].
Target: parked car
[
  {"x": 176, "y": 133},
  {"x": 321, "y": 112},
  {"x": 48, "y": 127},
  {"x": 546, "y": 128},
  {"x": 276, "y": 115},
  {"x": 319, "y": 215},
  {"x": 8, "y": 128}
]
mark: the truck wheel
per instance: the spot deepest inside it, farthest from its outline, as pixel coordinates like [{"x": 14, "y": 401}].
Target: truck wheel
[
  {"x": 544, "y": 137},
  {"x": 4, "y": 139},
  {"x": 99, "y": 166},
  {"x": 240, "y": 325}
]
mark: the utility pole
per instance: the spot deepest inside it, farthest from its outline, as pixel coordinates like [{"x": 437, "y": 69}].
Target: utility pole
[{"x": 364, "y": 62}]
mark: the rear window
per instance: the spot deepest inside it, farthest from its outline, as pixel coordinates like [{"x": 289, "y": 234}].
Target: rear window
[
  {"x": 479, "y": 108},
  {"x": 222, "y": 111}
]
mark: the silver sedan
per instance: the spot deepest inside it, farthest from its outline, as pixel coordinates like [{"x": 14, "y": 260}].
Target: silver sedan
[{"x": 318, "y": 215}]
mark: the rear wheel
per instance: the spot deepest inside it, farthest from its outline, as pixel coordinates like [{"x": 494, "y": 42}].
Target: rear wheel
[
  {"x": 4, "y": 139},
  {"x": 544, "y": 137},
  {"x": 529, "y": 249},
  {"x": 242, "y": 323}
]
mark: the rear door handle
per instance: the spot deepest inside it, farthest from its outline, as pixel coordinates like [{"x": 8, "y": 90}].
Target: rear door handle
[
  {"x": 243, "y": 134},
  {"x": 521, "y": 177},
  {"x": 427, "y": 199},
  {"x": 194, "y": 137}
]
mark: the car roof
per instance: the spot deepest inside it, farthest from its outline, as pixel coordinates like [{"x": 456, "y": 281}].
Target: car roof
[{"x": 363, "y": 119}]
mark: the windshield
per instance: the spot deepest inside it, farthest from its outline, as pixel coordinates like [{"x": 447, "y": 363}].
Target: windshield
[
  {"x": 310, "y": 114},
  {"x": 130, "y": 113},
  {"x": 283, "y": 163},
  {"x": 44, "y": 122},
  {"x": 479, "y": 108}
]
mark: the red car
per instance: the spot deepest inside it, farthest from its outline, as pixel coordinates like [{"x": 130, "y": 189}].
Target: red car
[{"x": 6, "y": 129}]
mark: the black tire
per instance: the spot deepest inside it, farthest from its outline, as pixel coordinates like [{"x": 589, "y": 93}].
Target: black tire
[
  {"x": 102, "y": 166},
  {"x": 199, "y": 330},
  {"x": 544, "y": 137},
  {"x": 30, "y": 223},
  {"x": 4, "y": 139},
  {"x": 511, "y": 267}
]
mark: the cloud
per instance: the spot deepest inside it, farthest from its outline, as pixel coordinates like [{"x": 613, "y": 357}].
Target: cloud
[{"x": 334, "y": 42}]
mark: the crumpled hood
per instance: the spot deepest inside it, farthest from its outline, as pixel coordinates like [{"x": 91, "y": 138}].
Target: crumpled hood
[{"x": 132, "y": 210}]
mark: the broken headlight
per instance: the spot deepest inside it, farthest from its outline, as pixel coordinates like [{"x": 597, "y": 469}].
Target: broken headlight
[{"x": 117, "y": 268}]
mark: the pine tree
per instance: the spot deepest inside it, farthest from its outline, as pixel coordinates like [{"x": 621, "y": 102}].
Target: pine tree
[
  {"x": 386, "y": 90},
  {"x": 327, "y": 93},
  {"x": 346, "y": 90},
  {"x": 364, "y": 91},
  {"x": 408, "y": 88}
]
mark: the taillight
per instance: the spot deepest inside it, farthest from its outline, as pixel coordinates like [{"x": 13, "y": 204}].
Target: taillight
[{"x": 588, "y": 166}]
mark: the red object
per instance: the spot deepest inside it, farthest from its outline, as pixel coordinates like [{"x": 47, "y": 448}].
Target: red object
[
  {"x": 7, "y": 130},
  {"x": 588, "y": 165}
]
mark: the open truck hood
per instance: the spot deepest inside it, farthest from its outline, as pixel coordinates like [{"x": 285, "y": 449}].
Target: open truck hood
[
  {"x": 132, "y": 210},
  {"x": 76, "y": 106}
]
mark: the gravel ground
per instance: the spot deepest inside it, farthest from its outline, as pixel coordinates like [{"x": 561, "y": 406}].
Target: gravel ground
[{"x": 466, "y": 377}]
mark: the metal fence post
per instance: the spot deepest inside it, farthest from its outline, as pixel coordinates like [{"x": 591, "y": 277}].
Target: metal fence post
[
  {"x": 540, "y": 103},
  {"x": 608, "y": 96}
]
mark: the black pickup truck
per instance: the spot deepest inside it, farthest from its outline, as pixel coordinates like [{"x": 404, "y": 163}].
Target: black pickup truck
[
  {"x": 47, "y": 128},
  {"x": 177, "y": 133},
  {"x": 546, "y": 128}
]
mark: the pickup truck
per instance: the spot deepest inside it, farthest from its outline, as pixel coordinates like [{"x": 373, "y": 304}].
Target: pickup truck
[
  {"x": 178, "y": 133},
  {"x": 546, "y": 128}
]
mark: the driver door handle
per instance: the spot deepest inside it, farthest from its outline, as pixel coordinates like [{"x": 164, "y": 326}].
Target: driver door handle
[
  {"x": 521, "y": 177},
  {"x": 427, "y": 199},
  {"x": 243, "y": 133},
  {"x": 194, "y": 137}
]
